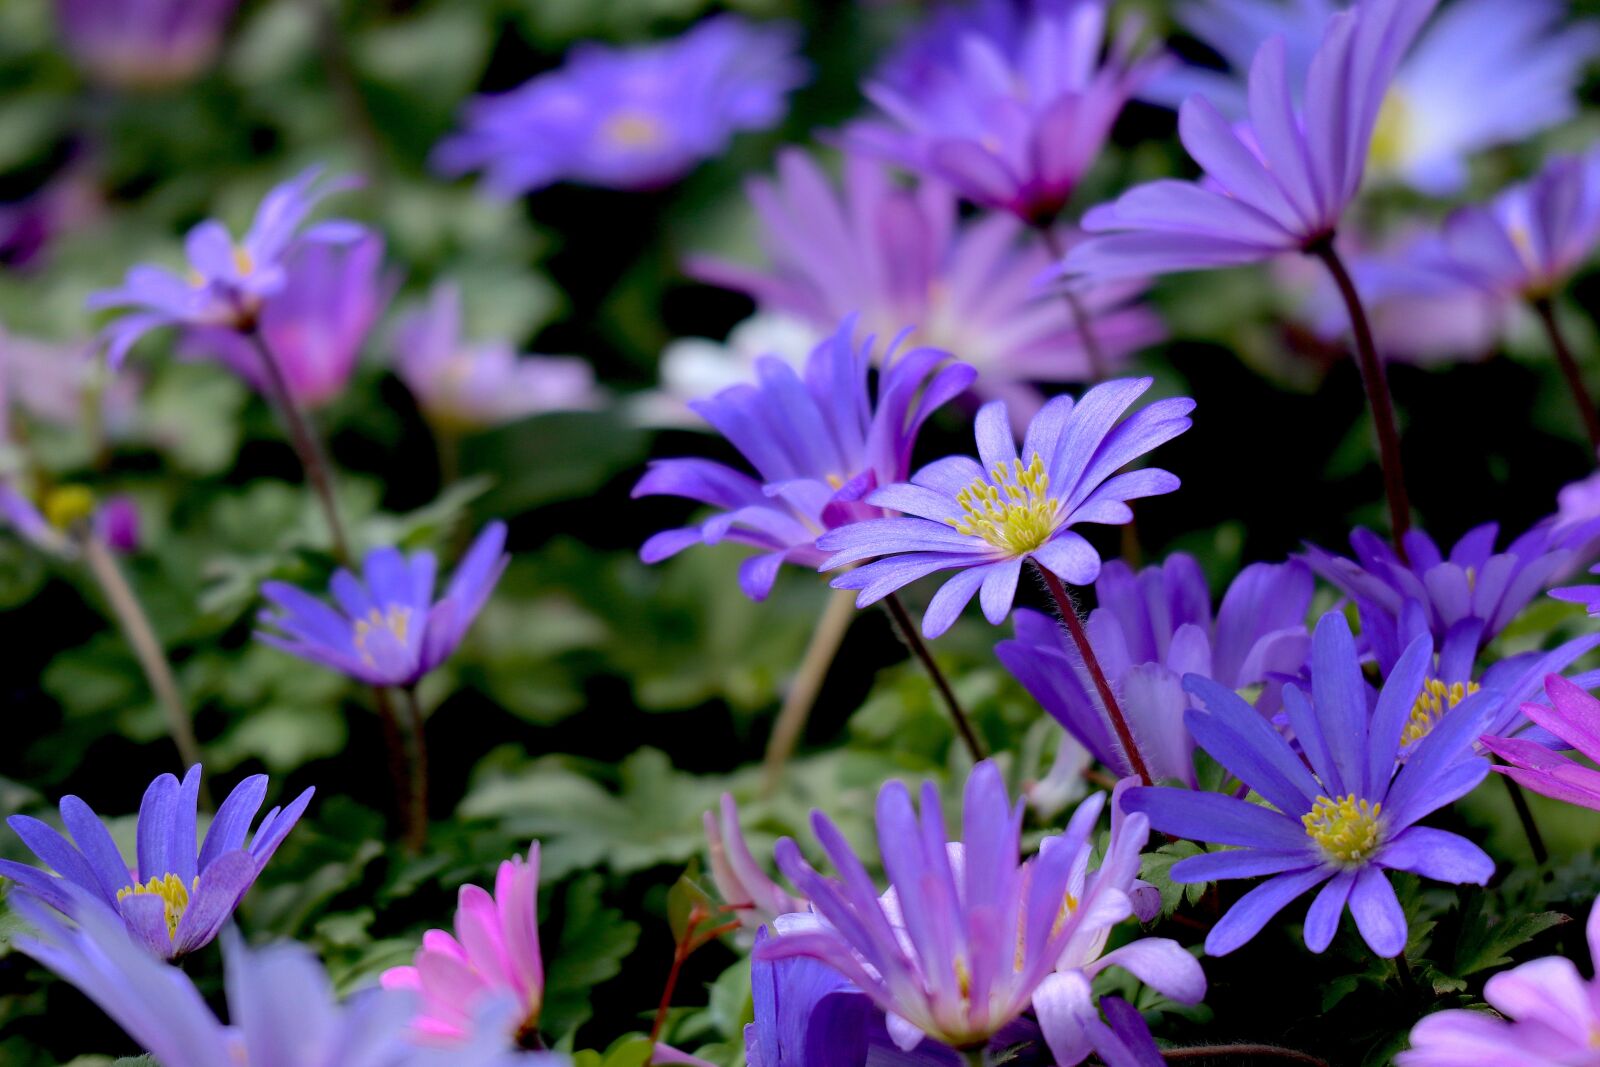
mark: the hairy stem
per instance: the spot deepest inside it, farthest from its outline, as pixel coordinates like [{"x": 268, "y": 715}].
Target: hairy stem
[
  {"x": 1569, "y": 370},
  {"x": 913, "y": 639},
  {"x": 807, "y": 682},
  {"x": 1230, "y": 1053}
]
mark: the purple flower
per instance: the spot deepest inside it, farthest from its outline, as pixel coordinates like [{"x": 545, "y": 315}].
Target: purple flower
[
  {"x": 1011, "y": 119},
  {"x": 315, "y": 324},
  {"x": 1339, "y": 817},
  {"x": 387, "y": 629},
  {"x": 739, "y": 879},
  {"x": 630, "y": 118},
  {"x": 1549, "y": 1016},
  {"x": 1485, "y": 73},
  {"x": 819, "y": 443},
  {"x": 461, "y": 385},
  {"x": 985, "y": 520},
  {"x": 1573, "y": 718},
  {"x": 899, "y": 255},
  {"x": 143, "y": 44},
  {"x": 174, "y": 899},
  {"x": 64, "y": 385},
  {"x": 1278, "y": 183},
  {"x": 227, "y": 281},
  {"x": 1149, "y": 631}
]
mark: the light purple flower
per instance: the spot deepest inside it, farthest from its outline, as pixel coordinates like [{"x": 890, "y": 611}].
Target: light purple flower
[
  {"x": 227, "y": 281},
  {"x": 1339, "y": 817},
  {"x": 1573, "y": 719},
  {"x": 462, "y": 385},
  {"x": 65, "y": 385},
  {"x": 387, "y": 628},
  {"x": 1011, "y": 119},
  {"x": 143, "y": 44},
  {"x": 1278, "y": 183},
  {"x": 739, "y": 879},
  {"x": 900, "y": 256},
  {"x": 984, "y": 520},
  {"x": 174, "y": 899},
  {"x": 630, "y": 118},
  {"x": 819, "y": 444},
  {"x": 1148, "y": 632}
]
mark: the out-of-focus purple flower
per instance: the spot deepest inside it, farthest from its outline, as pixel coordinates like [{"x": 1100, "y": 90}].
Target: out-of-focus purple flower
[
  {"x": 143, "y": 44},
  {"x": 1548, "y": 1016},
  {"x": 117, "y": 524},
  {"x": 900, "y": 256},
  {"x": 1149, "y": 631},
  {"x": 494, "y": 955},
  {"x": 1587, "y": 595},
  {"x": 387, "y": 628},
  {"x": 1277, "y": 183},
  {"x": 1573, "y": 717},
  {"x": 630, "y": 118},
  {"x": 738, "y": 877},
  {"x": 174, "y": 899},
  {"x": 695, "y": 367},
  {"x": 983, "y": 521},
  {"x": 67, "y": 201},
  {"x": 819, "y": 443},
  {"x": 1011, "y": 119},
  {"x": 227, "y": 281},
  {"x": 1340, "y": 817},
  {"x": 66, "y": 385},
  {"x": 315, "y": 324},
  {"x": 1485, "y": 73},
  {"x": 465, "y": 385}
]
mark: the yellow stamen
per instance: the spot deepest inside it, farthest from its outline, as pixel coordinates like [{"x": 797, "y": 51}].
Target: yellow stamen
[
  {"x": 630, "y": 129},
  {"x": 1392, "y": 134},
  {"x": 1435, "y": 699},
  {"x": 1348, "y": 830},
  {"x": 242, "y": 260},
  {"x": 68, "y": 505},
  {"x": 173, "y": 893},
  {"x": 396, "y": 622},
  {"x": 1011, "y": 509}
]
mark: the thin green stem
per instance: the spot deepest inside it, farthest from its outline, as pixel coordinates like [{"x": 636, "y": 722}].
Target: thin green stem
[
  {"x": 1519, "y": 801},
  {"x": 419, "y": 768},
  {"x": 806, "y": 684},
  {"x": 1546, "y": 311}
]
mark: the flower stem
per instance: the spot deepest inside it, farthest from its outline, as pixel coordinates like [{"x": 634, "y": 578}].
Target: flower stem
[
  {"x": 394, "y": 748},
  {"x": 974, "y": 1056},
  {"x": 1092, "y": 351},
  {"x": 1378, "y": 398},
  {"x": 802, "y": 694},
  {"x": 1569, "y": 370},
  {"x": 1119, "y": 723},
  {"x": 305, "y": 443},
  {"x": 908, "y": 633},
  {"x": 1519, "y": 801},
  {"x": 1244, "y": 1051},
  {"x": 418, "y": 794}
]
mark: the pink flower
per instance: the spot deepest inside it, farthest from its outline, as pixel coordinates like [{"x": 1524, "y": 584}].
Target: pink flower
[
  {"x": 1573, "y": 716},
  {"x": 493, "y": 956},
  {"x": 740, "y": 880}
]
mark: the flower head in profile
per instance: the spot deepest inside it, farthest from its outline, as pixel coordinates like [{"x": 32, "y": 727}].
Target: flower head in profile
[
  {"x": 461, "y": 384},
  {"x": 900, "y": 255},
  {"x": 175, "y": 897},
  {"x": 1548, "y": 1016},
  {"x": 1279, "y": 182},
  {"x": 493, "y": 956},
  {"x": 739, "y": 879},
  {"x": 386, "y": 627},
  {"x": 143, "y": 44},
  {"x": 1572, "y": 719},
  {"x": 1011, "y": 116},
  {"x": 630, "y": 118},
  {"x": 228, "y": 280},
  {"x": 1483, "y": 73},
  {"x": 820, "y": 441},
  {"x": 984, "y": 520},
  {"x": 1150, "y": 630},
  {"x": 1338, "y": 815}
]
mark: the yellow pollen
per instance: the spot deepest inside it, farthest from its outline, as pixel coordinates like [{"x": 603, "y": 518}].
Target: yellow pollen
[
  {"x": 242, "y": 260},
  {"x": 173, "y": 893},
  {"x": 1435, "y": 699},
  {"x": 1391, "y": 136},
  {"x": 963, "y": 978},
  {"x": 835, "y": 482},
  {"x": 396, "y": 622},
  {"x": 68, "y": 505},
  {"x": 1069, "y": 904},
  {"x": 632, "y": 130},
  {"x": 1348, "y": 830},
  {"x": 1011, "y": 509}
]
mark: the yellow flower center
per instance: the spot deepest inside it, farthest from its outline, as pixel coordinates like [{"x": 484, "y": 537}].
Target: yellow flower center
[
  {"x": 1392, "y": 134},
  {"x": 1435, "y": 699},
  {"x": 1012, "y": 509},
  {"x": 173, "y": 893},
  {"x": 1348, "y": 830},
  {"x": 68, "y": 505},
  {"x": 630, "y": 129},
  {"x": 395, "y": 622}
]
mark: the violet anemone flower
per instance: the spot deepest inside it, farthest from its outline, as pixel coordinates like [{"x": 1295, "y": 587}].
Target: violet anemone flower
[
  {"x": 467, "y": 385},
  {"x": 1483, "y": 73},
  {"x": 387, "y": 628},
  {"x": 739, "y": 879},
  {"x": 983, "y": 521},
  {"x": 630, "y": 118},
  {"x": 1548, "y": 1016},
  {"x": 820, "y": 444},
  {"x": 1587, "y": 595},
  {"x": 228, "y": 280},
  {"x": 897, "y": 255},
  {"x": 174, "y": 899},
  {"x": 1013, "y": 120},
  {"x": 494, "y": 956},
  {"x": 1148, "y": 632},
  {"x": 1340, "y": 817},
  {"x": 1573, "y": 718},
  {"x": 143, "y": 44}
]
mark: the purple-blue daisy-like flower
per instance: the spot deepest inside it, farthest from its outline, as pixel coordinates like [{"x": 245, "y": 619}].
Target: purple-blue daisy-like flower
[
  {"x": 387, "y": 629},
  {"x": 174, "y": 899},
  {"x": 1277, "y": 183},
  {"x": 143, "y": 44},
  {"x": 630, "y": 118},
  {"x": 820, "y": 444},
  {"x": 1149, "y": 631},
  {"x": 1337, "y": 815},
  {"x": 1012, "y": 120},
  {"x": 227, "y": 280},
  {"x": 984, "y": 520}
]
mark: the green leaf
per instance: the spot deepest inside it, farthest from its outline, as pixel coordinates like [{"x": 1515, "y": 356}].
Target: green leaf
[
  {"x": 1487, "y": 941},
  {"x": 1156, "y": 868},
  {"x": 594, "y": 941}
]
